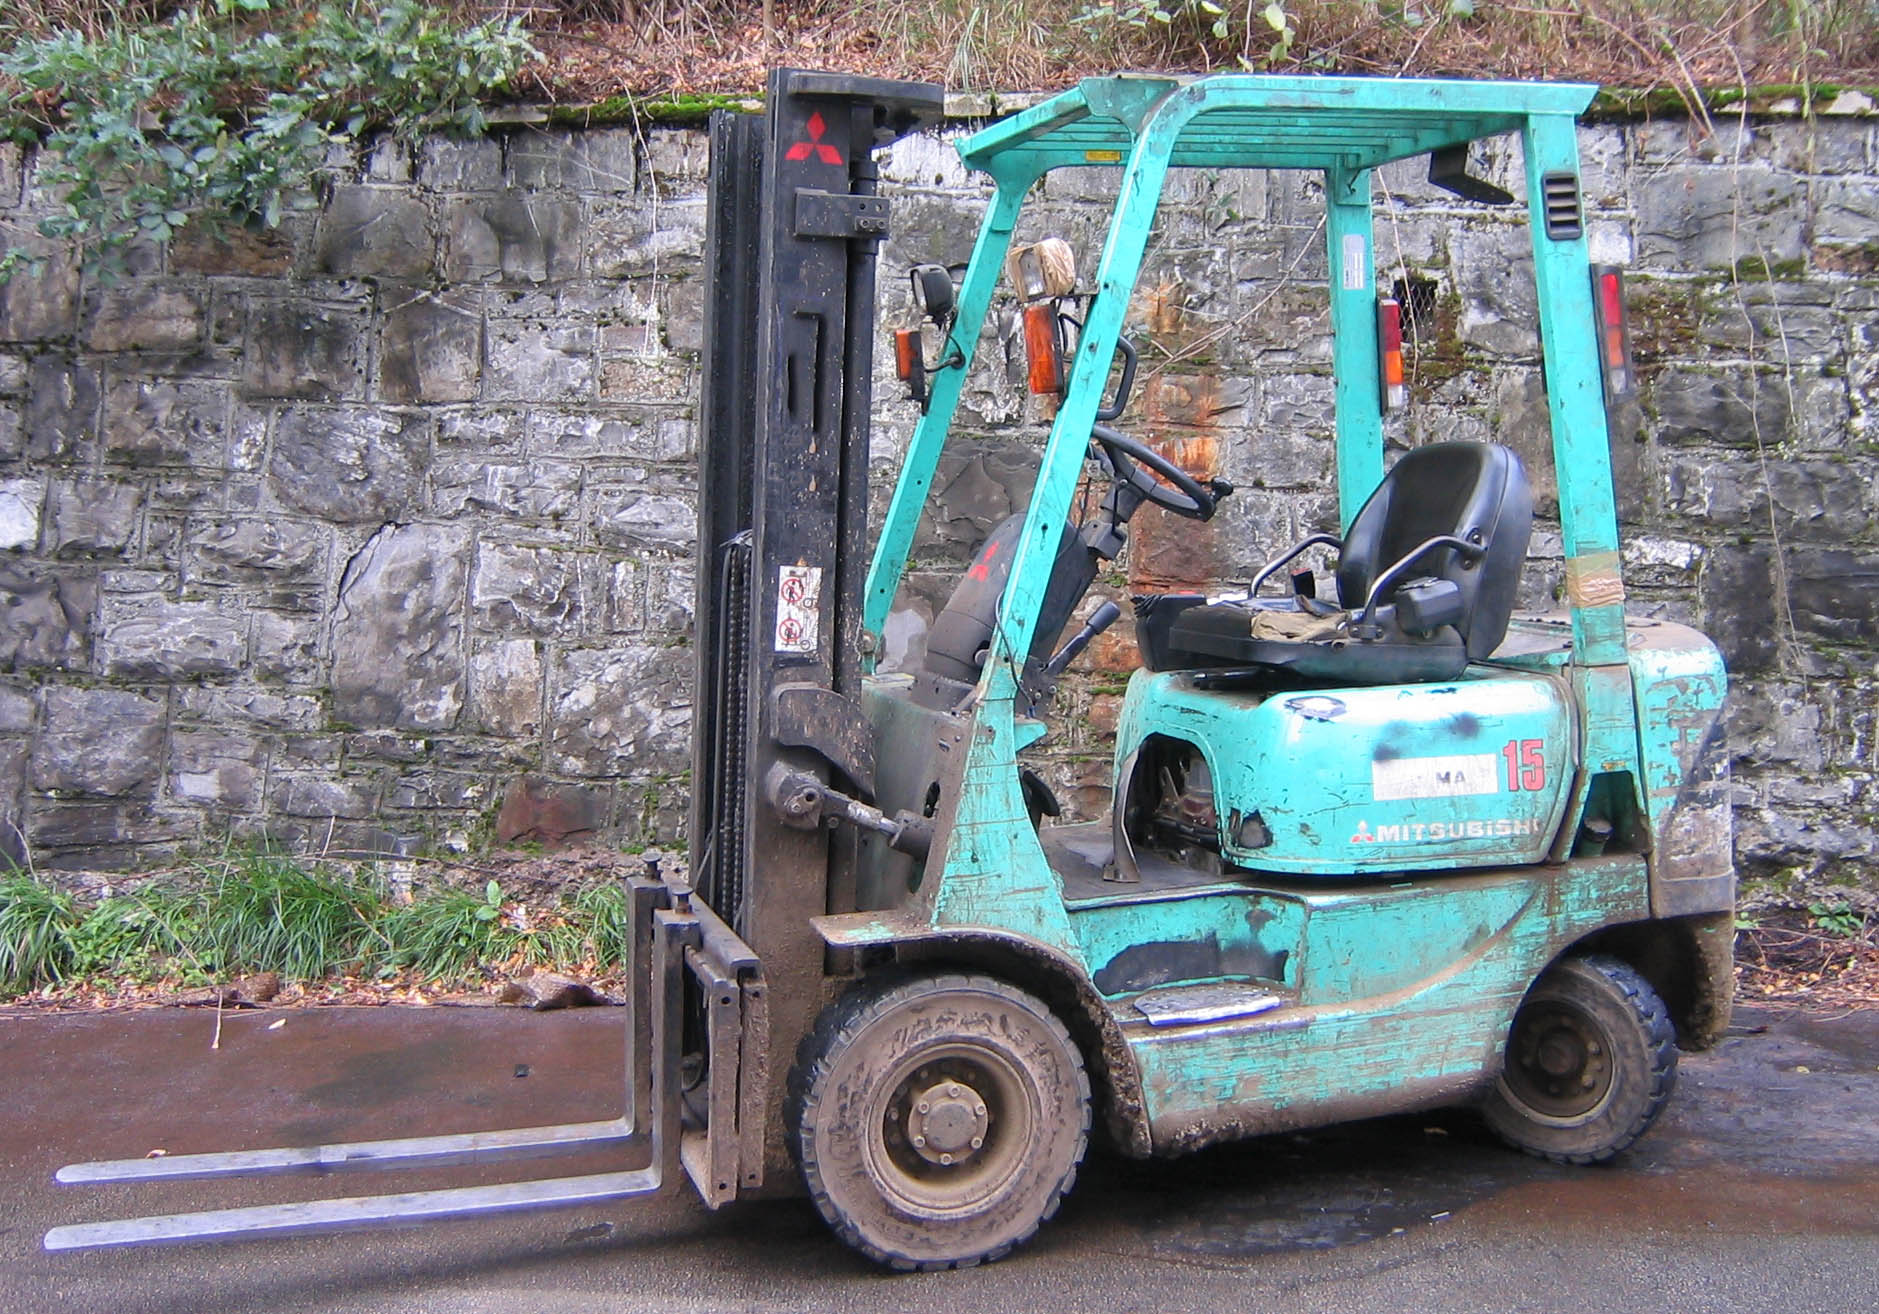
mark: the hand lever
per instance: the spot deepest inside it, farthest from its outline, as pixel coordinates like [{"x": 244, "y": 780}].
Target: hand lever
[{"x": 1101, "y": 619}]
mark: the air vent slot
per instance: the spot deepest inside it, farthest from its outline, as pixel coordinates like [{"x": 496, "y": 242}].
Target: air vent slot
[{"x": 1560, "y": 191}]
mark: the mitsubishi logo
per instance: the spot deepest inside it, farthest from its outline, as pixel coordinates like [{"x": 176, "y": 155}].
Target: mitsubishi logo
[{"x": 823, "y": 151}]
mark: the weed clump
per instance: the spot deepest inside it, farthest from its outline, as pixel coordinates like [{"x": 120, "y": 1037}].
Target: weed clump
[{"x": 266, "y": 912}]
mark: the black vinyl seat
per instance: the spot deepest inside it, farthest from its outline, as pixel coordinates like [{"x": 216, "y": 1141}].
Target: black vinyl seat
[{"x": 1426, "y": 580}]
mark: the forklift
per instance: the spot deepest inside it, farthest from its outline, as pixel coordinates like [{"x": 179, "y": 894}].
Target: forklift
[{"x": 1374, "y": 846}]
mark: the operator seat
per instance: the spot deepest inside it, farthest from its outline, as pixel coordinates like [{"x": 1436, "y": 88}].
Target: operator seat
[{"x": 1426, "y": 580}]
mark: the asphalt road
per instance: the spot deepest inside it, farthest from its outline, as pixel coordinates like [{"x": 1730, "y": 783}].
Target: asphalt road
[{"x": 1758, "y": 1190}]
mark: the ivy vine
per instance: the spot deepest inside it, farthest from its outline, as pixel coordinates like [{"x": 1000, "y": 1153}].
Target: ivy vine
[{"x": 226, "y": 112}]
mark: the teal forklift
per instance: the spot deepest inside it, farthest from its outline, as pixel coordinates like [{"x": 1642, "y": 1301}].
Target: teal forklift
[{"x": 1375, "y": 845}]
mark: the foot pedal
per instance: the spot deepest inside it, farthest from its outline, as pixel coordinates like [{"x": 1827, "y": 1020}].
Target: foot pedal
[{"x": 1215, "y": 1002}]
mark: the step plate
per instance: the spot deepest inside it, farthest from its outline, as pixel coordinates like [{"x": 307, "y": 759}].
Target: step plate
[{"x": 1183, "y": 1005}]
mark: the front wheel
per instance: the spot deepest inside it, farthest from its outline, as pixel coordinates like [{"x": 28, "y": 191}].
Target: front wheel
[
  {"x": 1590, "y": 1063},
  {"x": 940, "y": 1120}
]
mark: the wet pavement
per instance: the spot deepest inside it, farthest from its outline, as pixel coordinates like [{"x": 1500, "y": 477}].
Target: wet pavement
[{"x": 1758, "y": 1190}]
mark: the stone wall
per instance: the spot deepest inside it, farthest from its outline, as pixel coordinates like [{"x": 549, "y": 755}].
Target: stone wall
[{"x": 375, "y": 533}]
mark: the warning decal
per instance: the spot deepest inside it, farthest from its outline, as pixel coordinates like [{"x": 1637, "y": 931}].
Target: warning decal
[
  {"x": 1436, "y": 777},
  {"x": 798, "y": 608}
]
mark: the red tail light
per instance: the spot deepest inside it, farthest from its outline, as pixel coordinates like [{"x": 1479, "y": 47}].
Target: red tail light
[
  {"x": 1395, "y": 392},
  {"x": 1041, "y": 354},
  {"x": 1614, "y": 331}
]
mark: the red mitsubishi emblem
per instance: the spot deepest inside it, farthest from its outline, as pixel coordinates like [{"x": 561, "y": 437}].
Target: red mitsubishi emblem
[{"x": 823, "y": 151}]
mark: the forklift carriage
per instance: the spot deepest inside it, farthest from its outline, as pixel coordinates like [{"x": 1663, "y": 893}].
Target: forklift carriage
[{"x": 1392, "y": 847}]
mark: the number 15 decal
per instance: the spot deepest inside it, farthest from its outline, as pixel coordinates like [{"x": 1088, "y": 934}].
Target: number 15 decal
[{"x": 1526, "y": 764}]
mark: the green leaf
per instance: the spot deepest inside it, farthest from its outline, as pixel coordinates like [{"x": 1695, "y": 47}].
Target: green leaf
[
  {"x": 1275, "y": 16},
  {"x": 492, "y": 893}
]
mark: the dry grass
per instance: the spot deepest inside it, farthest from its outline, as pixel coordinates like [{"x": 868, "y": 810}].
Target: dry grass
[{"x": 597, "y": 48}]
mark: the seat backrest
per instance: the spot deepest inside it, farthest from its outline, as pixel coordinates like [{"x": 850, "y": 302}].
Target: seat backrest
[{"x": 1477, "y": 492}]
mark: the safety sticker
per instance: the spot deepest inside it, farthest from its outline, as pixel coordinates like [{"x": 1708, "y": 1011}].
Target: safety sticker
[
  {"x": 798, "y": 608},
  {"x": 1449, "y": 776},
  {"x": 1356, "y": 263}
]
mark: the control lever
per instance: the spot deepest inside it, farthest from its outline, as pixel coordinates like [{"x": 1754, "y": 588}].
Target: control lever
[{"x": 1100, "y": 620}]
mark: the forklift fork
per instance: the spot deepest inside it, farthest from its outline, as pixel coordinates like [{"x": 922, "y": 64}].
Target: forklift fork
[{"x": 717, "y": 1140}]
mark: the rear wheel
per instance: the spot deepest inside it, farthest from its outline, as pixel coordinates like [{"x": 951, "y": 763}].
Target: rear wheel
[
  {"x": 1590, "y": 1063},
  {"x": 940, "y": 1120}
]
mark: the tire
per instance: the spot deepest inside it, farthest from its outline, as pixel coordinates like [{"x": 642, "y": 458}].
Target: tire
[
  {"x": 938, "y": 1120},
  {"x": 1591, "y": 1060}
]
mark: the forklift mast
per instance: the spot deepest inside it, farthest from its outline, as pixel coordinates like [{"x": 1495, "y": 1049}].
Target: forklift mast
[{"x": 794, "y": 222}]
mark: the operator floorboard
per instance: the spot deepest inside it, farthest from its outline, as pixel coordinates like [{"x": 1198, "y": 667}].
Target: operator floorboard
[{"x": 1079, "y": 854}]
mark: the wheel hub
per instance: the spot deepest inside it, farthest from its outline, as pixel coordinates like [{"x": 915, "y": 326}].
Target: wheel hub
[
  {"x": 947, "y": 1122},
  {"x": 1559, "y": 1062}
]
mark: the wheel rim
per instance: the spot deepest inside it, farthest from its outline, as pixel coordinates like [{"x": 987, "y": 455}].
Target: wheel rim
[
  {"x": 952, "y": 1131},
  {"x": 1559, "y": 1063}
]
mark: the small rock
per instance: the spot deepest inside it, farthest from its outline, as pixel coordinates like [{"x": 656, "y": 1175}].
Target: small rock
[{"x": 545, "y": 990}]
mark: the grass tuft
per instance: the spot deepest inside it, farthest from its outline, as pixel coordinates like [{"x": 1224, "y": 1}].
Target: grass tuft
[
  {"x": 249, "y": 912},
  {"x": 35, "y": 933}
]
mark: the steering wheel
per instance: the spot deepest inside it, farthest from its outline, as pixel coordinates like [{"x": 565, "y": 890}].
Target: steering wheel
[{"x": 1182, "y": 494}]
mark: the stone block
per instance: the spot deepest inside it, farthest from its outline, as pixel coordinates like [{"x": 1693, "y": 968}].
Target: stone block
[
  {"x": 438, "y": 790},
  {"x": 350, "y": 464},
  {"x": 1833, "y": 594},
  {"x": 389, "y": 161},
  {"x": 1846, "y": 212},
  {"x": 119, "y": 835},
  {"x": 539, "y": 158},
  {"x": 145, "y": 317},
  {"x": 506, "y": 687},
  {"x": 217, "y": 770},
  {"x": 303, "y": 349},
  {"x": 1731, "y": 407},
  {"x": 537, "y": 492},
  {"x": 1737, "y": 593},
  {"x": 12, "y": 174},
  {"x": 447, "y": 164},
  {"x": 167, "y": 422},
  {"x": 1494, "y": 277},
  {"x": 375, "y": 232},
  {"x": 217, "y": 705},
  {"x": 1696, "y": 217},
  {"x": 19, "y": 711},
  {"x": 286, "y": 648},
  {"x": 677, "y": 161},
  {"x": 12, "y": 432},
  {"x": 518, "y": 239},
  {"x": 539, "y": 362},
  {"x": 156, "y": 640},
  {"x": 461, "y": 431},
  {"x": 630, "y": 254},
  {"x": 61, "y": 418},
  {"x": 40, "y": 303},
  {"x": 525, "y": 590},
  {"x": 620, "y": 711},
  {"x": 671, "y": 594},
  {"x": 431, "y": 349},
  {"x": 398, "y": 630},
  {"x": 621, "y": 587},
  {"x": 251, "y": 252},
  {"x": 89, "y": 517},
  {"x": 1777, "y": 321},
  {"x": 232, "y": 551},
  {"x": 603, "y": 162},
  {"x": 549, "y": 812},
  {"x": 46, "y": 614},
  {"x": 22, "y": 501},
  {"x": 312, "y": 796},
  {"x": 638, "y": 518},
  {"x": 99, "y": 741}
]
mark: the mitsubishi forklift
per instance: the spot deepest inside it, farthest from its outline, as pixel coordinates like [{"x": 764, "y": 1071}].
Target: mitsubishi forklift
[{"x": 1378, "y": 842}]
